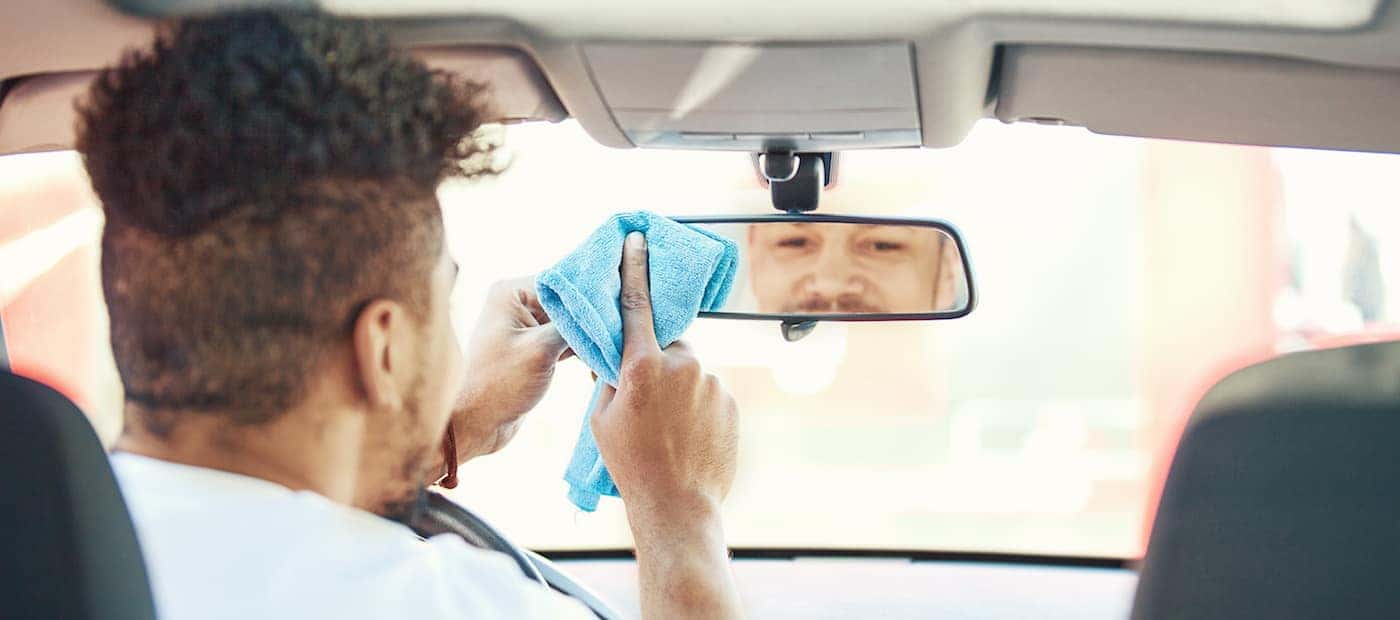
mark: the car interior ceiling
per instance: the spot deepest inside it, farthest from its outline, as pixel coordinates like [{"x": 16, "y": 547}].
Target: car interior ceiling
[
  {"x": 1248, "y": 84},
  {"x": 1280, "y": 500}
]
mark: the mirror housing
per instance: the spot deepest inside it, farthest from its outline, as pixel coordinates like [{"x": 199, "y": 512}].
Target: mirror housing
[{"x": 800, "y": 268}]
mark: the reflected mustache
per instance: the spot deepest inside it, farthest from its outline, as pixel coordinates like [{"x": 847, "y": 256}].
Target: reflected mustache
[{"x": 815, "y": 304}]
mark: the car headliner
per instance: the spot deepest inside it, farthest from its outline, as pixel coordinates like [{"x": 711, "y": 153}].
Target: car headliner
[{"x": 1278, "y": 72}]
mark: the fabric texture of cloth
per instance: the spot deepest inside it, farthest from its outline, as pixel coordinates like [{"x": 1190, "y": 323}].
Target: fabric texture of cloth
[{"x": 691, "y": 270}]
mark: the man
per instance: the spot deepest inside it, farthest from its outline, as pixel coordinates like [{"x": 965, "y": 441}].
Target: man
[
  {"x": 278, "y": 285},
  {"x": 824, "y": 268}
]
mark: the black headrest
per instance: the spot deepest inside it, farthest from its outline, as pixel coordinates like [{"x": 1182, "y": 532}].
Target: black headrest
[
  {"x": 67, "y": 546},
  {"x": 1283, "y": 500}
]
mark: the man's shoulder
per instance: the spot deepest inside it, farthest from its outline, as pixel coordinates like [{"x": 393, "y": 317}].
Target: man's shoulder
[
  {"x": 222, "y": 544},
  {"x": 442, "y": 577}
]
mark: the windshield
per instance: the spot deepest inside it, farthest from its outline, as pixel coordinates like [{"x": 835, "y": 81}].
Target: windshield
[{"x": 1117, "y": 278}]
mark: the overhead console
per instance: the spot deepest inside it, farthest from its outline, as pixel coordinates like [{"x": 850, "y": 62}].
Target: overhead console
[{"x": 759, "y": 97}]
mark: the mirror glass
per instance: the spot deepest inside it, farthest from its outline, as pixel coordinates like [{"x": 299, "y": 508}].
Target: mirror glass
[{"x": 846, "y": 269}]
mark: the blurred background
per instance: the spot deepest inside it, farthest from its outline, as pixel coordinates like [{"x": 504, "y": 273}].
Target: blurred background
[{"x": 1117, "y": 278}]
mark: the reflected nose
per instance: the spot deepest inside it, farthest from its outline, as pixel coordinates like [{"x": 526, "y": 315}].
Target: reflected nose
[{"x": 834, "y": 274}]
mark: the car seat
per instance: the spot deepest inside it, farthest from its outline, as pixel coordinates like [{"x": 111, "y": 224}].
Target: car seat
[
  {"x": 67, "y": 545},
  {"x": 1283, "y": 500}
]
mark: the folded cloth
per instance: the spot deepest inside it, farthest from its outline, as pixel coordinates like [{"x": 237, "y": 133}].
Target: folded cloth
[{"x": 691, "y": 270}]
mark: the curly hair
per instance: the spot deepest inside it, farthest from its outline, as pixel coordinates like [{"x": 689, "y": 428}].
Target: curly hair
[{"x": 264, "y": 175}]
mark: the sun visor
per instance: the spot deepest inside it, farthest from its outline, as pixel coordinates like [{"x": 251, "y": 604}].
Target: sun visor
[
  {"x": 751, "y": 97},
  {"x": 519, "y": 91},
  {"x": 37, "y": 113},
  {"x": 1212, "y": 97}
]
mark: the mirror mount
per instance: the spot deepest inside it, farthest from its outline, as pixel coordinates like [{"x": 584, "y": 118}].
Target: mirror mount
[
  {"x": 795, "y": 180},
  {"x": 797, "y": 330},
  {"x": 777, "y": 166}
]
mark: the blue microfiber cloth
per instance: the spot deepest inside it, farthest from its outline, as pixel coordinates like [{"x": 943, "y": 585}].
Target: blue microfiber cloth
[{"x": 691, "y": 270}]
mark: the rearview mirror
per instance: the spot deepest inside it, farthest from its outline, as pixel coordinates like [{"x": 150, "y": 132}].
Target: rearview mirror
[{"x": 807, "y": 267}]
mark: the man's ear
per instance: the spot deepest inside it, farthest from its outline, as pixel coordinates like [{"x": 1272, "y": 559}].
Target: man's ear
[{"x": 380, "y": 341}]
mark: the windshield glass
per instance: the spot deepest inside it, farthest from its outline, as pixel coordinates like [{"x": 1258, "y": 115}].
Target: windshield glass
[{"x": 1117, "y": 279}]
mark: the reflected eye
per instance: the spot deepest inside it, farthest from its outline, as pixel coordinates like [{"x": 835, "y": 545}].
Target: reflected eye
[
  {"x": 882, "y": 246},
  {"x": 793, "y": 242}
]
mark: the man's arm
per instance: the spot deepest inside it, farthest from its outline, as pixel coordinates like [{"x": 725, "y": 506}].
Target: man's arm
[
  {"x": 684, "y": 565},
  {"x": 669, "y": 436}
]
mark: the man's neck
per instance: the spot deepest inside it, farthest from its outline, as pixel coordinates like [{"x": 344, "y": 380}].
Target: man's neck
[{"x": 302, "y": 454}]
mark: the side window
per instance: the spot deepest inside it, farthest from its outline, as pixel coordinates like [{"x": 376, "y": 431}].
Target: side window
[{"x": 50, "y": 295}]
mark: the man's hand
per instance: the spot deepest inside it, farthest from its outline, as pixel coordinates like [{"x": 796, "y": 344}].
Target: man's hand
[
  {"x": 510, "y": 361},
  {"x": 668, "y": 435}
]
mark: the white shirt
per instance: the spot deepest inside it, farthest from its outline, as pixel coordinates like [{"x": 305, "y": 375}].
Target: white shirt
[{"x": 222, "y": 545}]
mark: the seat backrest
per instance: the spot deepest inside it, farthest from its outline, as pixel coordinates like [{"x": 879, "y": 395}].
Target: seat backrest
[
  {"x": 67, "y": 546},
  {"x": 1283, "y": 500}
]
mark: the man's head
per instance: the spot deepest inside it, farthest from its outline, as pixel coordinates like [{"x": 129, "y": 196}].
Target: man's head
[
  {"x": 274, "y": 246},
  {"x": 822, "y": 268}
]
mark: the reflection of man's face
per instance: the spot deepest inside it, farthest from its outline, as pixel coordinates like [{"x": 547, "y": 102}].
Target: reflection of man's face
[{"x": 819, "y": 268}]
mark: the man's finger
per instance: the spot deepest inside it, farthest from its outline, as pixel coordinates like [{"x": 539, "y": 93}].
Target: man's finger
[
  {"x": 536, "y": 310},
  {"x": 638, "y": 333},
  {"x": 547, "y": 338},
  {"x": 605, "y": 397},
  {"x": 516, "y": 302},
  {"x": 510, "y": 288},
  {"x": 531, "y": 299}
]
